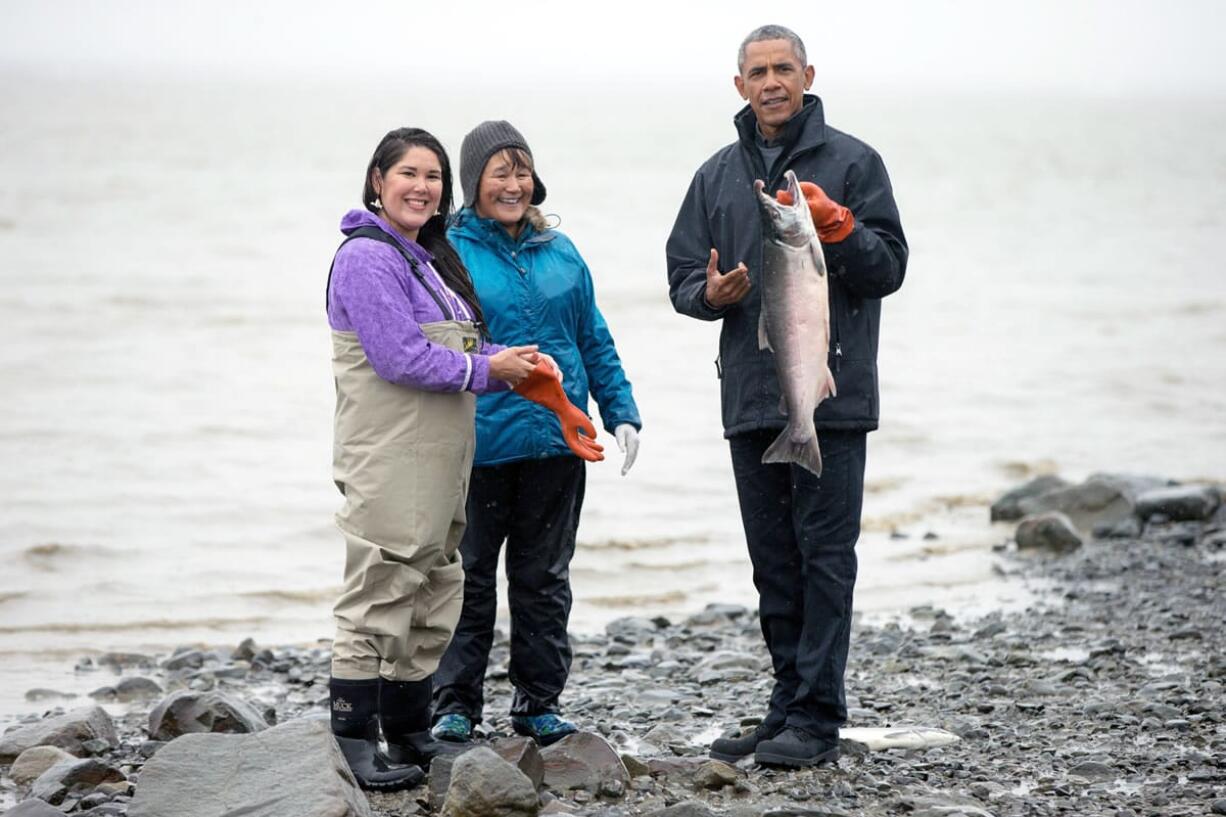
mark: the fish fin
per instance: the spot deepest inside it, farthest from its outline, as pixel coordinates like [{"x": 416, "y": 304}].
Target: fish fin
[
  {"x": 805, "y": 453},
  {"x": 819, "y": 258},
  {"x": 828, "y": 388},
  {"x": 764, "y": 342}
]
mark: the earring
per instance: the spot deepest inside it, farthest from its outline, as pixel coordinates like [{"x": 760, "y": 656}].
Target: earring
[{"x": 378, "y": 203}]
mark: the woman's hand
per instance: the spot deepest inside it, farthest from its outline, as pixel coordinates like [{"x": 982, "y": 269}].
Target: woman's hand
[
  {"x": 554, "y": 364},
  {"x": 514, "y": 363}
]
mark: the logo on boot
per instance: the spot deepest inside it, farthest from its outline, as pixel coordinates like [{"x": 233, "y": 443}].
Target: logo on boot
[{"x": 341, "y": 705}]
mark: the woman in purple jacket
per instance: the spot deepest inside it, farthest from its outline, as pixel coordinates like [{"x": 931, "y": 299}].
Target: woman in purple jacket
[{"x": 409, "y": 354}]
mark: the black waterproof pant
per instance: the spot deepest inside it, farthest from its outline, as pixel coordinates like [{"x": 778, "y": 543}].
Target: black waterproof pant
[
  {"x": 801, "y": 531},
  {"x": 534, "y": 506}
]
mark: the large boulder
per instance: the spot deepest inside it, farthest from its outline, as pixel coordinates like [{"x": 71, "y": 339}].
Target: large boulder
[
  {"x": 187, "y": 711},
  {"x": 522, "y": 753},
  {"x": 1008, "y": 507},
  {"x": 34, "y": 761},
  {"x": 1102, "y": 499},
  {"x": 68, "y": 731},
  {"x": 485, "y": 785},
  {"x": 74, "y": 776},
  {"x": 583, "y": 760},
  {"x": 295, "y": 768},
  {"x": 1188, "y": 503},
  {"x": 1053, "y": 532}
]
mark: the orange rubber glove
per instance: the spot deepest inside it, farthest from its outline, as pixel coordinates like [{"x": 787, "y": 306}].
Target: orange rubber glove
[
  {"x": 834, "y": 222},
  {"x": 542, "y": 386}
]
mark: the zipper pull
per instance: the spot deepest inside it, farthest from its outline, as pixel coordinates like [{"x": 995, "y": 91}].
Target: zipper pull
[{"x": 838, "y": 356}]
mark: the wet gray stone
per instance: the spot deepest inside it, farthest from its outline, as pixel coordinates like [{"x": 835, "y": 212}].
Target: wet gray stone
[
  {"x": 1009, "y": 506},
  {"x": 1052, "y": 532},
  {"x": 31, "y": 763},
  {"x": 1101, "y": 499},
  {"x": 33, "y": 808},
  {"x": 295, "y": 768},
  {"x": 187, "y": 711},
  {"x": 582, "y": 760},
  {"x": 73, "y": 776},
  {"x": 1093, "y": 770},
  {"x": 485, "y": 785},
  {"x": 68, "y": 731}
]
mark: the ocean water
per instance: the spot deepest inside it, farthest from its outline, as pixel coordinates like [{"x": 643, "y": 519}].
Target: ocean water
[{"x": 165, "y": 427}]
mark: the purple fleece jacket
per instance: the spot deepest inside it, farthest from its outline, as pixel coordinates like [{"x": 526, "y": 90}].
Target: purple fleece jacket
[{"x": 374, "y": 294}]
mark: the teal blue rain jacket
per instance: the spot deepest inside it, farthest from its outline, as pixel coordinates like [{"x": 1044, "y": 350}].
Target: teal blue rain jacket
[{"x": 537, "y": 289}]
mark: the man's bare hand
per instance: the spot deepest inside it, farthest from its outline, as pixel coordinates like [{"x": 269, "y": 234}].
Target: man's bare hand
[{"x": 725, "y": 288}]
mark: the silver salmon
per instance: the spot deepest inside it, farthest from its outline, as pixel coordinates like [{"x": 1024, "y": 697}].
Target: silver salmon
[{"x": 795, "y": 322}]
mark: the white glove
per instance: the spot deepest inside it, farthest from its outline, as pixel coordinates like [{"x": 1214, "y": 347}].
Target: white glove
[{"x": 627, "y": 443}]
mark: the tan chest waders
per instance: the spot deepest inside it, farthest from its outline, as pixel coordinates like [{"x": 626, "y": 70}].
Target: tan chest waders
[{"x": 401, "y": 457}]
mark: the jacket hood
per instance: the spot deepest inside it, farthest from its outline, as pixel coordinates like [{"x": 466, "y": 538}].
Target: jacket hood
[
  {"x": 355, "y": 219},
  {"x": 468, "y": 224},
  {"x": 807, "y": 127}
]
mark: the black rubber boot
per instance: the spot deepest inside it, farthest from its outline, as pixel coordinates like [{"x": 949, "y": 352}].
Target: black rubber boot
[
  {"x": 730, "y": 750},
  {"x": 404, "y": 711},
  {"x": 355, "y": 724},
  {"x": 794, "y": 748}
]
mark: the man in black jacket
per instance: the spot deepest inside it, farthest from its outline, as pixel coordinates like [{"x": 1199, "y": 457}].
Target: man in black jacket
[{"x": 801, "y": 530}]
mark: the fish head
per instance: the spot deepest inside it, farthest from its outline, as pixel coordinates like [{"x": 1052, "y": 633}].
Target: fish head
[{"x": 785, "y": 223}]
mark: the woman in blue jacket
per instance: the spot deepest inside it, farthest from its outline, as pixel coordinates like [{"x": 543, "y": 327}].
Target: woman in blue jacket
[{"x": 526, "y": 487}]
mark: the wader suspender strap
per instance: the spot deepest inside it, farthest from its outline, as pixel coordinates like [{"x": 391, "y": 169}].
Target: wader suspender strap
[{"x": 378, "y": 235}]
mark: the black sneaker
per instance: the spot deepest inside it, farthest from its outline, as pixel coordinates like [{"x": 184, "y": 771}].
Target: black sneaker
[
  {"x": 795, "y": 748},
  {"x": 730, "y": 750}
]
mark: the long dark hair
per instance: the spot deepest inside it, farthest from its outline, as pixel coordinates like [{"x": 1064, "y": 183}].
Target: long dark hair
[{"x": 433, "y": 234}]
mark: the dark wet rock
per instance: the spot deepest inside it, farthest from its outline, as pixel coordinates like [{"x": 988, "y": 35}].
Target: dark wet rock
[
  {"x": 185, "y": 711},
  {"x": 485, "y": 785},
  {"x": 1218, "y": 806},
  {"x": 33, "y": 808},
  {"x": 73, "y": 776},
  {"x": 31, "y": 763},
  {"x": 631, "y": 629},
  {"x": 67, "y": 731},
  {"x": 295, "y": 768},
  {"x": 189, "y": 659},
  {"x": 1009, "y": 506},
  {"x": 246, "y": 651},
  {"x": 124, "y": 660},
  {"x": 1052, "y": 532},
  {"x": 582, "y": 760},
  {"x": 1181, "y": 504},
  {"x": 42, "y": 694},
  {"x": 439, "y": 779},
  {"x": 134, "y": 688}
]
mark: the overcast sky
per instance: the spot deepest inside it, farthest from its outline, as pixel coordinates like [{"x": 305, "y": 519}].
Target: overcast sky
[{"x": 1097, "y": 46}]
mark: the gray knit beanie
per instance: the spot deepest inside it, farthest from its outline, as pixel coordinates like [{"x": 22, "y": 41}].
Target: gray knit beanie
[{"x": 479, "y": 145}]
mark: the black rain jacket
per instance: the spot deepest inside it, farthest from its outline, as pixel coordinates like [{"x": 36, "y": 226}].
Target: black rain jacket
[{"x": 720, "y": 211}]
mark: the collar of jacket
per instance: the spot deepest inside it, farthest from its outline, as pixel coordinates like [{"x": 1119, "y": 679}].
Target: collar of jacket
[
  {"x": 489, "y": 231},
  {"x": 807, "y": 127}
]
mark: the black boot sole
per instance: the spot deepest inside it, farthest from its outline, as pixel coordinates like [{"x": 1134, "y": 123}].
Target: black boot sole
[
  {"x": 728, "y": 758},
  {"x": 790, "y": 762},
  {"x": 411, "y": 782}
]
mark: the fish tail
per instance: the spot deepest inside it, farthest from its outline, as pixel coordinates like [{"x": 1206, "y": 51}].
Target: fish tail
[{"x": 791, "y": 447}]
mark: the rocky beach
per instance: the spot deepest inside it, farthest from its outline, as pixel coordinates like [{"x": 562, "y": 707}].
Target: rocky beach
[{"x": 1103, "y": 697}]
